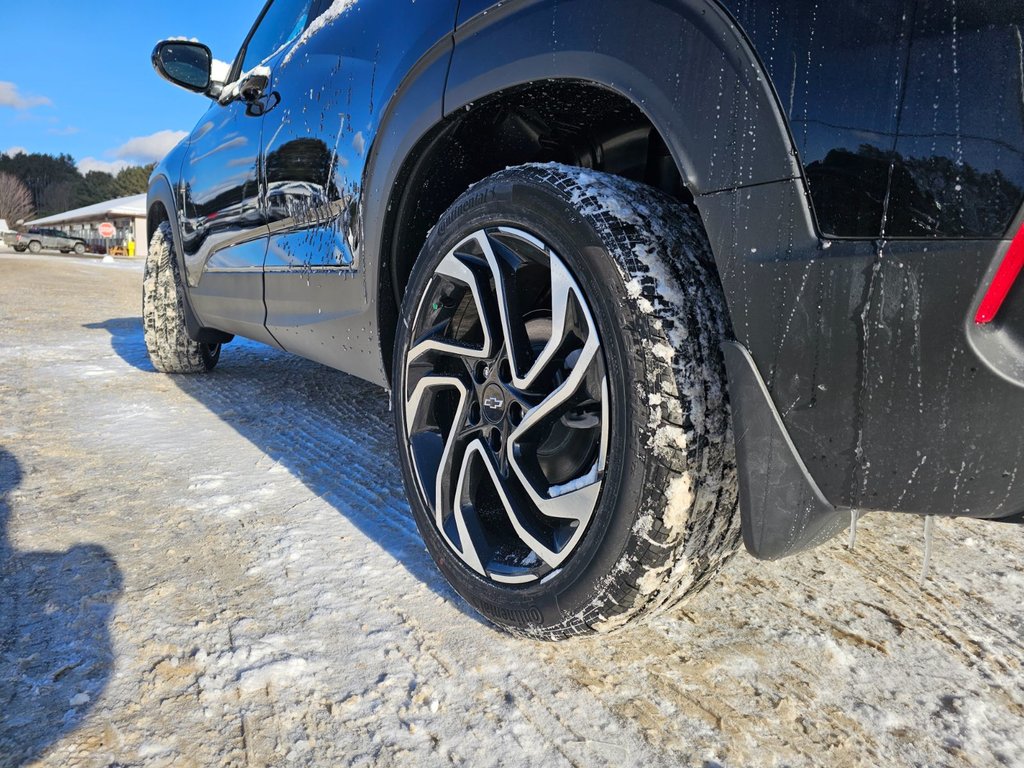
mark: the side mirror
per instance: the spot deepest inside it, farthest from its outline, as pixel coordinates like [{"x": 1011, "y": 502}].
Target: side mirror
[{"x": 184, "y": 63}]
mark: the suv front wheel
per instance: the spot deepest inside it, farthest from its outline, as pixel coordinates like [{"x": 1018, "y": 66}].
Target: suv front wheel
[
  {"x": 560, "y": 401},
  {"x": 163, "y": 313}
]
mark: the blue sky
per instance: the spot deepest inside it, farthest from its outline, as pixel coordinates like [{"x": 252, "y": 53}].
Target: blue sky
[{"x": 76, "y": 77}]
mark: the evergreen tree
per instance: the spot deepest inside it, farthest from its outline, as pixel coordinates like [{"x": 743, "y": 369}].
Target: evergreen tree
[
  {"x": 134, "y": 180},
  {"x": 96, "y": 187}
]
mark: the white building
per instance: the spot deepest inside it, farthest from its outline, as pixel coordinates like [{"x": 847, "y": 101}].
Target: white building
[{"x": 128, "y": 214}]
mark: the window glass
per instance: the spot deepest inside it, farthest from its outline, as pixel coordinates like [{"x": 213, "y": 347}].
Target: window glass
[{"x": 284, "y": 21}]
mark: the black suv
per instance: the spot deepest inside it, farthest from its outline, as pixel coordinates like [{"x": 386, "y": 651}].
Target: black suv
[{"x": 640, "y": 276}]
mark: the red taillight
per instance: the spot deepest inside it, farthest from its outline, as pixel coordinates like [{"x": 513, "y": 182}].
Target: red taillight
[{"x": 1005, "y": 277}]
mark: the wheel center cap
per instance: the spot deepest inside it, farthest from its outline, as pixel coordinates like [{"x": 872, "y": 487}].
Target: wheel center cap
[{"x": 494, "y": 403}]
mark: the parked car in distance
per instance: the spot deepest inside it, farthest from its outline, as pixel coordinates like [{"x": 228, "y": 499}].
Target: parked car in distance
[
  {"x": 38, "y": 240},
  {"x": 643, "y": 278}
]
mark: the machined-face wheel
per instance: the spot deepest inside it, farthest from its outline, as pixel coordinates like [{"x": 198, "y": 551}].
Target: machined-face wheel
[{"x": 507, "y": 406}]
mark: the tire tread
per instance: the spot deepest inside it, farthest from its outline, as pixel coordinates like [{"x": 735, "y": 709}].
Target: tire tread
[
  {"x": 660, "y": 245},
  {"x": 163, "y": 313}
]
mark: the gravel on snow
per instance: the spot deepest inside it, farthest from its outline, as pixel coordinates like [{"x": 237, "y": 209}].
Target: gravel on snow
[{"x": 223, "y": 570}]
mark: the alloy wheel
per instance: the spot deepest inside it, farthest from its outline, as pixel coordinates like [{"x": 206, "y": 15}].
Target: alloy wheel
[{"x": 506, "y": 406}]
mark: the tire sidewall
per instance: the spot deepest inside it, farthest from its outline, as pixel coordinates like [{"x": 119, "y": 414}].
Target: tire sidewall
[{"x": 559, "y": 600}]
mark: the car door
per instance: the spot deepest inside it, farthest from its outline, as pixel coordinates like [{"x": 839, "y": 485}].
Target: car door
[
  {"x": 334, "y": 86},
  {"x": 224, "y": 227}
]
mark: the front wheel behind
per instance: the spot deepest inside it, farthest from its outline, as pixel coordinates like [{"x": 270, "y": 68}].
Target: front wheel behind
[
  {"x": 163, "y": 313},
  {"x": 564, "y": 434}
]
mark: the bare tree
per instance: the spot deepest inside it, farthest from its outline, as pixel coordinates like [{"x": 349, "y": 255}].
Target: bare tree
[{"x": 15, "y": 200}]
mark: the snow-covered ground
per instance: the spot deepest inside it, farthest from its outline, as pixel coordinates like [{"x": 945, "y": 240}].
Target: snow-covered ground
[{"x": 223, "y": 570}]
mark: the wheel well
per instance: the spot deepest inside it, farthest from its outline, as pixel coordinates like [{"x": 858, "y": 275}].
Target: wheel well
[
  {"x": 571, "y": 122},
  {"x": 157, "y": 215}
]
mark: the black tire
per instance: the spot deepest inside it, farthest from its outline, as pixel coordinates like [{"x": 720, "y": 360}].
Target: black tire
[
  {"x": 666, "y": 517},
  {"x": 20, "y": 248},
  {"x": 35, "y": 246},
  {"x": 163, "y": 313},
  {"x": 79, "y": 248}
]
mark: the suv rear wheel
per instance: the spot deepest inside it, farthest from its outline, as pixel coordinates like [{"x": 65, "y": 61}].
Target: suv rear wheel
[{"x": 561, "y": 405}]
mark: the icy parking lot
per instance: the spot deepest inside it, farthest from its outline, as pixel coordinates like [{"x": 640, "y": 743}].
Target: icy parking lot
[{"x": 223, "y": 570}]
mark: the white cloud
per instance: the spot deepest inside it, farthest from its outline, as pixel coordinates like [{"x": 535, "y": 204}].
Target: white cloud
[
  {"x": 138, "y": 151},
  {"x": 87, "y": 164},
  {"x": 69, "y": 130},
  {"x": 149, "y": 149},
  {"x": 10, "y": 96},
  {"x": 15, "y": 151}
]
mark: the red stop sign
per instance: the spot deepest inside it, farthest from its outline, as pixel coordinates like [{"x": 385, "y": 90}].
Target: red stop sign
[{"x": 108, "y": 230}]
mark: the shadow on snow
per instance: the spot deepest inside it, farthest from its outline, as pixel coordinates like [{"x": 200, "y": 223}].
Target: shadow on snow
[{"x": 55, "y": 649}]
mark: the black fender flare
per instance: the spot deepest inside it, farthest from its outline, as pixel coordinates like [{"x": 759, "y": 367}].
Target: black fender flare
[
  {"x": 414, "y": 111},
  {"x": 161, "y": 193},
  {"x": 712, "y": 101}
]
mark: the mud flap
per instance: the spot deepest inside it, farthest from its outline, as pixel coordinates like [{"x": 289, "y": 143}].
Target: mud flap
[{"x": 782, "y": 508}]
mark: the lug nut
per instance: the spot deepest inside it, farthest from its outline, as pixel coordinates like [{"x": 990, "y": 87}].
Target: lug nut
[{"x": 481, "y": 372}]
